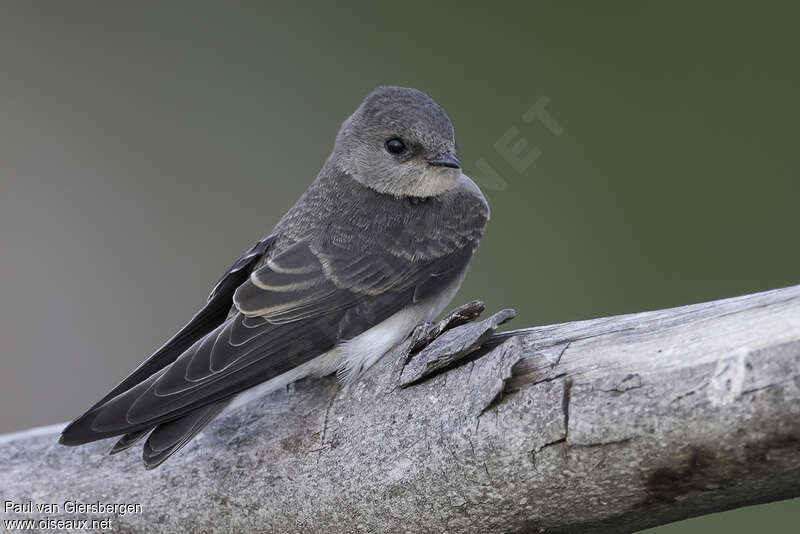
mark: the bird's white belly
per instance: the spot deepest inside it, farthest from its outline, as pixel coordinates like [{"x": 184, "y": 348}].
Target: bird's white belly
[{"x": 350, "y": 358}]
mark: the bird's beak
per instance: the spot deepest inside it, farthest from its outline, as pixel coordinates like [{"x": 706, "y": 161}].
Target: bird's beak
[{"x": 447, "y": 159}]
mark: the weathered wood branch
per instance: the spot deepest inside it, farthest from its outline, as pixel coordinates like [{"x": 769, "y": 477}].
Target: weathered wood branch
[{"x": 606, "y": 425}]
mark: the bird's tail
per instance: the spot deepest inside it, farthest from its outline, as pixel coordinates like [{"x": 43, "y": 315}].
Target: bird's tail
[
  {"x": 168, "y": 438},
  {"x": 129, "y": 440}
]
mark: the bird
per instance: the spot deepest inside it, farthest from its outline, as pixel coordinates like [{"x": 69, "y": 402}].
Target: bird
[{"x": 378, "y": 243}]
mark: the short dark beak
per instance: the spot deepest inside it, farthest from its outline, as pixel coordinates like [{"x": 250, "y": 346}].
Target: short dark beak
[{"x": 446, "y": 160}]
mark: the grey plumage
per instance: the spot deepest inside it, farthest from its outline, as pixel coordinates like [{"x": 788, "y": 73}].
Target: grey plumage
[{"x": 378, "y": 242}]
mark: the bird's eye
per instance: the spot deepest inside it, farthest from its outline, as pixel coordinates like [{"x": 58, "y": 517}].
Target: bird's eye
[{"x": 395, "y": 146}]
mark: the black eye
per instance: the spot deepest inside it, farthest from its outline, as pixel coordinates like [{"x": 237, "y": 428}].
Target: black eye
[{"x": 395, "y": 146}]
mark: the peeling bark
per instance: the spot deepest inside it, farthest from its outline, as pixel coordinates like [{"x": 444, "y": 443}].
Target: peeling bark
[
  {"x": 608, "y": 425},
  {"x": 448, "y": 346}
]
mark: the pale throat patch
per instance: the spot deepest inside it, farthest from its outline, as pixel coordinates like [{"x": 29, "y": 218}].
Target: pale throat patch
[
  {"x": 420, "y": 180},
  {"x": 433, "y": 181}
]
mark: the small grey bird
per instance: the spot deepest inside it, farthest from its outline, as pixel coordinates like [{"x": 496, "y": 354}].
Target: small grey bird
[{"x": 379, "y": 243}]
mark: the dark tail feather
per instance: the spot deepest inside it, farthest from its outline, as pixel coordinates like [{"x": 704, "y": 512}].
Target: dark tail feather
[
  {"x": 128, "y": 440},
  {"x": 170, "y": 437}
]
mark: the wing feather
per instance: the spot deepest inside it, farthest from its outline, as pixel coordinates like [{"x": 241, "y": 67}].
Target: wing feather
[
  {"x": 272, "y": 332},
  {"x": 293, "y": 299},
  {"x": 213, "y": 314}
]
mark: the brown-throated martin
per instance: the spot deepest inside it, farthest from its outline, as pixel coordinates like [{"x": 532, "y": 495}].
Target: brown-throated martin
[{"x": 378, "y": 243}]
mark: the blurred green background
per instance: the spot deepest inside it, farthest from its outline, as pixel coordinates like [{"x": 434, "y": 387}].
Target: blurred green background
[{"x": 144, "y": 147}]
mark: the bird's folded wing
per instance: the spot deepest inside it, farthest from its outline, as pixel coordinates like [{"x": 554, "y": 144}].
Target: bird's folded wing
[
  {"x": 209, "y": 317},
  {"x": 295, "y": 305}
]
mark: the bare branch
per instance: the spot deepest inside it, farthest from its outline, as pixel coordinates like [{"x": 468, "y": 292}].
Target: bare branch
[{"x": 607, "y": 425}]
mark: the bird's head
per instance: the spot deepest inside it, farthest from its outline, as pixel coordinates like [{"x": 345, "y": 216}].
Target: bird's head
[{"x": 399, "y": 142}]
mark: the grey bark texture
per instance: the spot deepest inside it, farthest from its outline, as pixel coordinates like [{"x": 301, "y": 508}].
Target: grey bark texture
[{"x": 606, "y": 425}]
